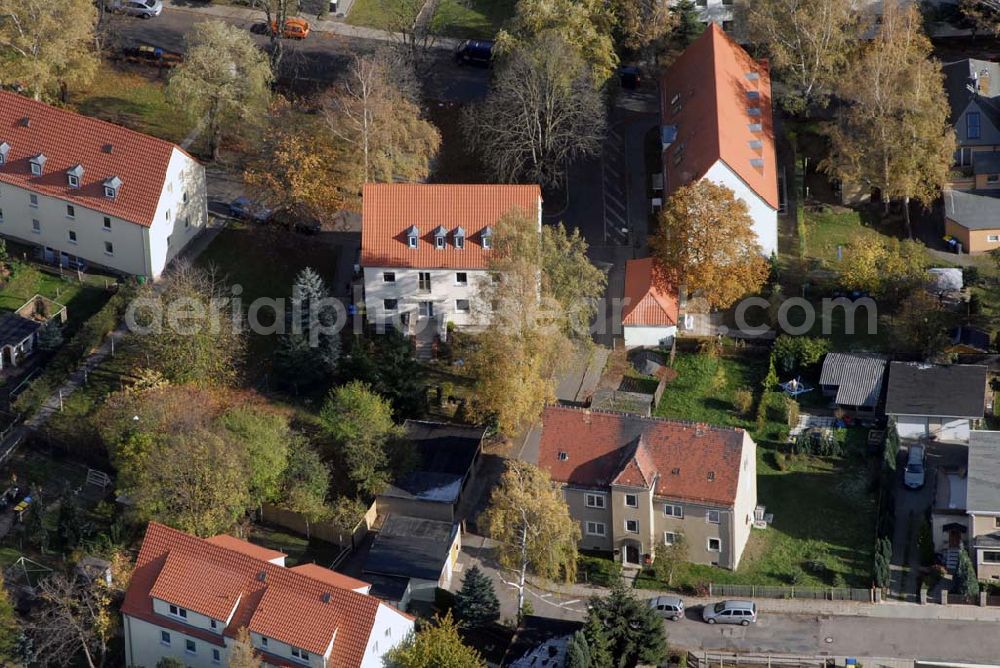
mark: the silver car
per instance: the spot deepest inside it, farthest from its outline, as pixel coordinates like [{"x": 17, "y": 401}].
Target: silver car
[
  {"x": 731, "y": 612},
  {"x": 671, "y": 607},
  {"x": 144, "y": 9}
]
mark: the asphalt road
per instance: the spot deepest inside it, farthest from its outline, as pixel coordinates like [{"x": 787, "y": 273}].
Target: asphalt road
[
  {"x": 311, "y": 64},
  {"x": 925, "y": 639}
]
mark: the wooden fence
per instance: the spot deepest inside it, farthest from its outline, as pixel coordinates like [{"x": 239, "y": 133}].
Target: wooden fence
[{"x": 324, "y": 531}]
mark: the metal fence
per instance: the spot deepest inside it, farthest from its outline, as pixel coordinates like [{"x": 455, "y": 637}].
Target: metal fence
[
  {"x": 814, "y": 593},
  {"x": 731, "y": 660}
]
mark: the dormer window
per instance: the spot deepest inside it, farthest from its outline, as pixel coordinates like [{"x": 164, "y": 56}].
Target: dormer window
[
  {"x": 74, "y": 175},
  {"x": 753, "y": 111},
  {"x": 753, "y": 76},
  {"x": 756, "y": 144},
  {"x": 757, "y": 162},
  {"x": 412, "y": 235},
  {"x": 4, "y": 151},
  {"x": 440, "y": 237},
  {"x": 112, "y": 186},
  {"x": 487, "y": 238},
  {"x": 753, "y": 95},
  {"x": 756, "y": 127},
  {"x": 459, "y": 238},
  {"x": 38, "y": 164}
]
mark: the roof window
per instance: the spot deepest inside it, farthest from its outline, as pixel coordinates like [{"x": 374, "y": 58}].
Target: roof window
[
  {"x": 459, "y": 238},
  {"x": 440, "y": 237},
  {"x": 757, "y": 162},
  {"x": 756, "y": 127},
  {"x": 112, "y": 186},
  {"x": 753, "y": 111},
  {"x": 756, "y": 144},
  {"x": 753, "y": 76},
  {"x": 38, "y": 164},
  {"x": 4, "y": 151},
  {"x": 753, "y": 95},
  {"x": 412, "y": 235},
  {"x": 74, "y": 175},
  {"x": 563, "y": 456},
  {"x": 486, "y": 236}
]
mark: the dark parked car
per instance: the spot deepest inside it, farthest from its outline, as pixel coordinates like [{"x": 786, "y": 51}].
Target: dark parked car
[
  {"x": 475, "y": 52},
  {"x": 630, "y": 77},
  {"x": 243, "y": 207}
]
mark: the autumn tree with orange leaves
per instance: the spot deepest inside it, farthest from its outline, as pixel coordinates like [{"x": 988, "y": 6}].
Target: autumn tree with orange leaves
[{"x": 706, "y": 244}]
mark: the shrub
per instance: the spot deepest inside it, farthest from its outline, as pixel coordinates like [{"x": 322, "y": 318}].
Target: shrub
[
  {"x": 743, "y": 401},
  {"x": 791, "y": 412},
  {"x": 925, "y": 543},
  {"x": 970, "y": 275},
  {"x": 796, "y": 353}
]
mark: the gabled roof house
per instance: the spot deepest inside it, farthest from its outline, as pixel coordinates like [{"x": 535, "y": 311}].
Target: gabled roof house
[
  {"x": 88, "y": 192},
  {"x": 650, "y": 311},
  {"x": 939, "y": 401},
  {"x": 716, "y": 124},
  {"x": 189, "y": 597}
]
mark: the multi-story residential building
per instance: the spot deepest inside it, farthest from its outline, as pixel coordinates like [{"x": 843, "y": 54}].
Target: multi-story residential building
[
  {"x": 189, "y": 598},
  {"x": 718, "y": 11},
  {"x": 716, "y": 124},
  {"x": 425, "y": 250},
  {"x": 973, "y": 89},
  {"x": 84, "y": 191},
  {"x": 635, "y": 482}
]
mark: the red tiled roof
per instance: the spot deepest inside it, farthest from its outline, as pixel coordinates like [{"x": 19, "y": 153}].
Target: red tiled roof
[
  {"x": 68, "y": 139},
  {"x": 389, "y": 209},
  {"x": 279, "y": 602},
  {"x": 197, "y": 585},
  {"x": 332, "y": 578},
  {"x": 246, "y": 547},
  {"x": 607, "y": 448},
  {"x": 651, "y": 299},
  {"x": 709, "y": 82}
]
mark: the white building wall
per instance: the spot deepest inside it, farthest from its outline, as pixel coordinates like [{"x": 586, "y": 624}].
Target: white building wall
[
  {"x": 195, "y": 619},
  {"x": 144, "y": 646},
  {"x": 391, "y": 627},
  {"x": 135, "y": 250},
  {"x": 943, "y": 429},
  {"x": 765, "y": 218},
  {"x": 648, "y": 336},
  {"x": 713, "y": 10},
  {"x": 284, "y": 650},
  {"x": 746, "y": 499},
  {"x": 445, "y": 291}
]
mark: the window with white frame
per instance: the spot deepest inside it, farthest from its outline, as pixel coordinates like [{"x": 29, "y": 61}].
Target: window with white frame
[
  {"x": 714, "y": 544},
  {"x": 632, "y": 500},
  {"x": 670, "y": 537},
  {"x": 594, "y": 500},
  {"x": 36, "y": 226},
  {"x": 216, "y": 656},
  {"x": 165, "y": 637},
  {"x": 991, "y": 557},
  {"x": 673, "y": 510},
  {"x": 595, "y": 529},
  {"x": 390, "y": 304},
  {"x": 214, "y": 624},
  {"x": 388, "y": 277},
  {"x": 996, "y": 520},
  {"x": 462, "y": 305},
  {"x": 107, "y": 224},
  {"x": 72, "y": 236},
  {"x": 1, "y": 215},
  {"x": 632, "y": 526},
  {"x": 300, "y": 654},
  {"x": 190, "y": 647},
  {"x": 263, "y": 641},
  {"x": 33, "y": 200},
  {"x": 178, "y": 611},
  {"x": 713, "y": 516},
  {"x": 74, "y": 182},
  {"x": 461, "y": 278},
  {"x": 993, "y": 238},
  {"x": 167, "y": 214},
  {"x": 109, "y": 248}
]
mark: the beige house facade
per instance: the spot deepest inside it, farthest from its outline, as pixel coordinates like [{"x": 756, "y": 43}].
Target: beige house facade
[{"x": 634, "y": 483}]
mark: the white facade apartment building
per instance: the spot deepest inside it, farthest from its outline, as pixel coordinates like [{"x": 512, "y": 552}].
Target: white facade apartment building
[
  {"x": 86, "y": 191},
  {"x": 189, "y": 598},
  {"x": 425, "y": 250}
]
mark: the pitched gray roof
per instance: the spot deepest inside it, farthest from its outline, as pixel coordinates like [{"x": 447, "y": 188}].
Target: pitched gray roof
[
  {"x": 984, "y": 472},
  {"x": 959, "y": 85},
  {"x": 973, "y": 209},
  {"x": 858, "y": 377},
  {"x": 956, "y": 390},
  {"x": 15, "y": 328}
]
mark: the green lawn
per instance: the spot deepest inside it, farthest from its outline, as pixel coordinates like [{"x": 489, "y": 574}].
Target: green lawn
[
  {"x": 132, "y": 97},
  {"x": 299, "y": 549},
  {"x": 823, "y": 510},
  {"x": 474, "y": 19},
  {"x": 81, "y": 299},
  {"x": 833, "y": 227}
]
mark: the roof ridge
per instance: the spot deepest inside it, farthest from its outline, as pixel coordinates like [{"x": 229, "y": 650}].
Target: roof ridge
[{"x": 649, "y": 418}]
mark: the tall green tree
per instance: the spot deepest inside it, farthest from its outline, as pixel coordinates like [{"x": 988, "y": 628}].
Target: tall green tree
[
  {"x": 306, "y": 483},
  {"x": 265, "y": 436},
  {"x": 68, "y": 525},
  {"x": 542, "y": 113},
  {"x": 225, "y": 80},
  {"x": 809, "y": 43},
  {"x": 476, "y": 603},
  {"x": 46, "y": 46},
  {"x": 598, "y": 643},
  {"x": 689, "y": 25},
  {"x": 386, "y": 363},
  {"x": 893, "y": 133},
  {"x": 571, "y": 279},
  {"x": 360, "y": 422},
  {"x": 966, "y": 582},
  {"x": 633, "y": 629},
  {"x": 435, "y": 645},
  {"x": 584, "y": 27},
  {"x": 530, "y": 521},
  {"x": 578, "y": 652},
  {"x": 669, "y": 557},
  {"x": 10, "y": 628},
  {"x": 310, "y": 348}
]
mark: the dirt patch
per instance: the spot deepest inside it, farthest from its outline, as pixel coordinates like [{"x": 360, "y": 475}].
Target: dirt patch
[{"x": 614, "y": 370}]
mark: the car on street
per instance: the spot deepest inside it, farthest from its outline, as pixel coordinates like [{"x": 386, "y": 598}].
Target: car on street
[
  {"x": 247, "y": 209},
  {"x": 475, "y": 52},
  {"x": 144, "y": 9},
  {"x": 295, "y": 28},
  {"x": 915, "y": 471},
  {"x": 670, "y": 607},
  {"x": 730, "y": 612}
]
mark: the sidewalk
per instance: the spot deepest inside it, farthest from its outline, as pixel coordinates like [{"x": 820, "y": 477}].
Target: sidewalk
[
  {"x": 335, "y": 26},
  {"x": 569, "y": 601}
]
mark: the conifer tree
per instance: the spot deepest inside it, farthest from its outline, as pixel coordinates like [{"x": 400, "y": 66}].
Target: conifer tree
[
  {"x": 476, "y": 602},
  {"x": 966, "y": 582}
]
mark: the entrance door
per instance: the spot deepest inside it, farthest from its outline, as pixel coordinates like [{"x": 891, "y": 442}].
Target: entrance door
[
  {"x": 631, "y": 555},
  {"x": 954, "y": 539},
  {"x": 426, "y": 309}
]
